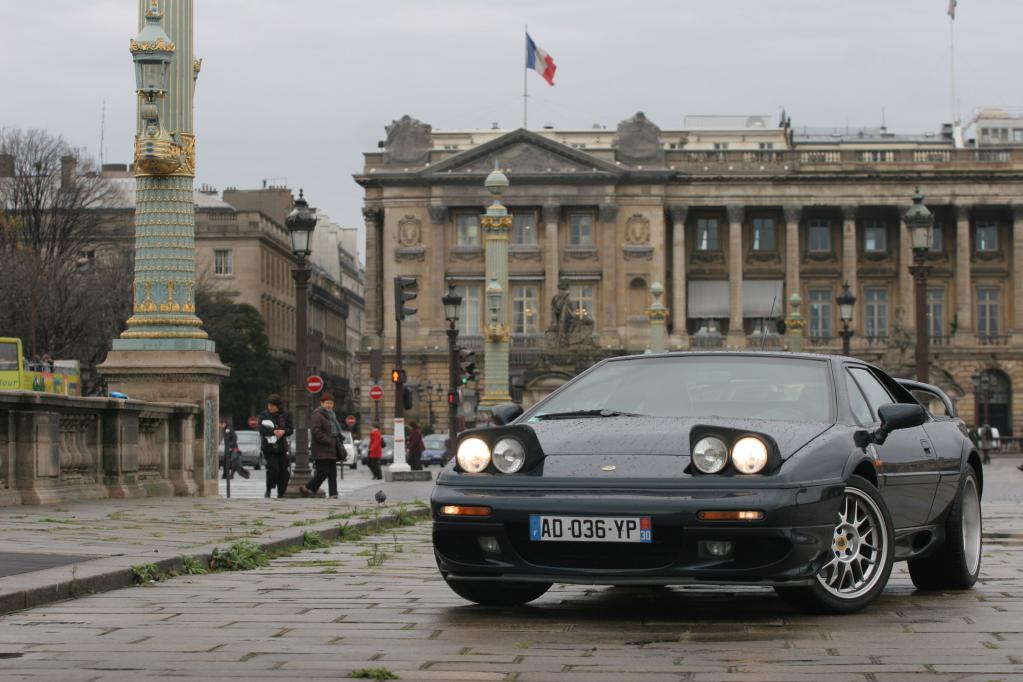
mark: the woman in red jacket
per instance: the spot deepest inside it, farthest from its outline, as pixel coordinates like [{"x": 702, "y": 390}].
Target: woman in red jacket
[{"x": 376, "y": 452}]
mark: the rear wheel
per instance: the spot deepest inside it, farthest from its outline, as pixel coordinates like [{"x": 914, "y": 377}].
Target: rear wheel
[
  {"x": 860, "y": 559},
  {"x": 497, "y": 593},
  {"x": 956, "y": 564}
]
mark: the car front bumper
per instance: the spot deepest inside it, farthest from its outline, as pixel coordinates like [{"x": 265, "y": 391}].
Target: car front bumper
[{"x": 787, "y": 547}]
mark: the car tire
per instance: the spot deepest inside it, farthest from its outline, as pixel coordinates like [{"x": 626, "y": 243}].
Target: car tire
[
  {"x": 860, "y": 558},
  {"x": 956, "y": 563},
  {"x": 497, "y": 592}
]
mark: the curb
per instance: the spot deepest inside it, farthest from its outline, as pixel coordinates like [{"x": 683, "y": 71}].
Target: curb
[{"x": 120, "y": 577}]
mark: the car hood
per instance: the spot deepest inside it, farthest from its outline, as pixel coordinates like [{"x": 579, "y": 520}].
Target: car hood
[{"x": 658, "y": 435}]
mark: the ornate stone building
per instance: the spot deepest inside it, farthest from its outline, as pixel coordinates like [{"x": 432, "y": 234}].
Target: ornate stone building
[{"x": 731, "y": 214}]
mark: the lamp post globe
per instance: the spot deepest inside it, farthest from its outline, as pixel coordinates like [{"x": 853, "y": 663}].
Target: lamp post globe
[
  {"x": 300, "y": 223},
  {"x": 846, "y": 306},
  {"x": 920, "y": 221},
  {"x": 452, "y": 303}
]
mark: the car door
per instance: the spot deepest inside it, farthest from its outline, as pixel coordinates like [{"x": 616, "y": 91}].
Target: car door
[{"x": 908, "y": 472}]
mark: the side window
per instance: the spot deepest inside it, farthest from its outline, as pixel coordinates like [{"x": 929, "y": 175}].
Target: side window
[
  {"x": 858, "y": 404},
  {"x": 872, "y": 389}
]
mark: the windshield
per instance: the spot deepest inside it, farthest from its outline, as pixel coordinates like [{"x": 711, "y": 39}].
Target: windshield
[
  {"x": 741, "y": 387},
  {"x": 8, "y": 356},
  {"x": 435, "y": 442}
]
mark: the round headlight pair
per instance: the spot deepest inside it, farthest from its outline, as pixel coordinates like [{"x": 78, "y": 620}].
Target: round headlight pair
[
  {"x": 474, "y": 455},
  {"x": 749, "y": 455}
]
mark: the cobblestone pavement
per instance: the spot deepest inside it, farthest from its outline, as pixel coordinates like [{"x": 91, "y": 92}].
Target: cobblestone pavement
[{"x": 322, "y": 614}]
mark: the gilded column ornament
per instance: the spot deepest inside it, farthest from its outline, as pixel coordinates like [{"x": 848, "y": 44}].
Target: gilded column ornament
[{"x": 496, "y": 224}]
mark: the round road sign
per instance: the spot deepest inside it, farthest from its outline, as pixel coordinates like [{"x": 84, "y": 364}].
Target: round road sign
[
  {"x": 376, "y": 393},
  {"x": 314, "y": 384},
  {"x": 350, "y": 421}
]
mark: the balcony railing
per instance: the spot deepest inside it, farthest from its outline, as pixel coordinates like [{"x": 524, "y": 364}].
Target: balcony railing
[
  {"x": 992, "y": 339},
  {"x": 877, "y": 340},
  {"x": 888, "y": 159},
  {"x": 821, "y": 340},
  {"x": 940, "y": 340},
  {"x": 707, "y": 341},
  {"x": 772, "y": 341}
]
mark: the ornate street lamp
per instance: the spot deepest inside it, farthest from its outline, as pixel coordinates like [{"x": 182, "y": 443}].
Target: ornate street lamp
[
  {"x": 846, "y": 305},
  {"x": 920, "y": 221},
  {"x": 300, "y": 223},
  {"x": 452, "y": 302},
  {"x": 982, "y": 389}
]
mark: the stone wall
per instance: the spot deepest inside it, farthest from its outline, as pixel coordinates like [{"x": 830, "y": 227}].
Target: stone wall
[{"x": 55, "y": 449}]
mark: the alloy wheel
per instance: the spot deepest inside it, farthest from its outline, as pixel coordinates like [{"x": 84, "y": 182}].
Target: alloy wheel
[
  {"x": 859, "y": 548},
  {"x": 971, "y": 524}
]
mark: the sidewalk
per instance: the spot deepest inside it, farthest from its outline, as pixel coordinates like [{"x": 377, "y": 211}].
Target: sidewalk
[{"x": 49, "y": 553}]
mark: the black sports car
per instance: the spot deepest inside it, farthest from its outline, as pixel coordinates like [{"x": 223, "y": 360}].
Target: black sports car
[{"x": 809, "y": 473}]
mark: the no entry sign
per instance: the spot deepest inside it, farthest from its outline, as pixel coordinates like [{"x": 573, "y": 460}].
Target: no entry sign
[
  {"x": 350, "y": 421},
  {"x": 314, "y": 384},
  {"x": 376, "y": 393}
]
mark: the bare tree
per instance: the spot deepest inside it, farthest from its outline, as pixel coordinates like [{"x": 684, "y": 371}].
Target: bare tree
[{"x": 58, "y": 295}]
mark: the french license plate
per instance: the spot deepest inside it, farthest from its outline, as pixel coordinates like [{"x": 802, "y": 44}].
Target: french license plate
[{"x": 590, "y": 528}]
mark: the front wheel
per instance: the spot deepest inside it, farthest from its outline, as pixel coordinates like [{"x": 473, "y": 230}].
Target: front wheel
[
  {"x": 860, "y": 558},
  {"x": 497, "y": 593},
  {"x": 956, "y": 564}
]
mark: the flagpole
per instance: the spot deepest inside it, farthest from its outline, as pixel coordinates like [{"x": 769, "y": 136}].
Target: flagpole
[
  {"x": 525, "y": 85},
  {"x": 952, "y": 66}
]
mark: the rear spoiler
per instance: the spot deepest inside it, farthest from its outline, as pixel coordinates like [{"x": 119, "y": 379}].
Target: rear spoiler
[{"x": 911, "y": 385}]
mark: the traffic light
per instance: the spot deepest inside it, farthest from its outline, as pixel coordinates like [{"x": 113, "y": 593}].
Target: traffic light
[
  {"x": 397, "y": 376},
  {"x": 452, "y": 398},
  {"x": 406, "y": 398},
  {"x": 404, "y": 290},
  {"x": 466, "y": 365}
]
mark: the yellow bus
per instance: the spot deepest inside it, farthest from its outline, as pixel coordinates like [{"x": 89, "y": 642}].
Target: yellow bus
[{"x": 17, "y": 374}]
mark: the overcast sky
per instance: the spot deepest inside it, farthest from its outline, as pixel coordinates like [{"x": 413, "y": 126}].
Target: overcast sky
[{"x": 294, "y": 92}]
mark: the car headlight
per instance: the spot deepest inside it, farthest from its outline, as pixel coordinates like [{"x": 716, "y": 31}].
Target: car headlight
[
  {"x": 509, "y": 455},
  {"x": 710, "y": 455},
  {"x": 473, "y": 455},
  {"x": 749, "y": 455}
]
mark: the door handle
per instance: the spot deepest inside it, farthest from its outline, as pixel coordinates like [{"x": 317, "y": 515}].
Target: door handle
[{"x": 926, "y": 445}]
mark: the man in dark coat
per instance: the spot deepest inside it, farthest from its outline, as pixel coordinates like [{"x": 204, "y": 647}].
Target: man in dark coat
[
  {"x": 325, "y": 447},
  {"x": 232, "y": 453},
  {"x": 416, "y": 446},
  {"x": 275, "y": 428}
]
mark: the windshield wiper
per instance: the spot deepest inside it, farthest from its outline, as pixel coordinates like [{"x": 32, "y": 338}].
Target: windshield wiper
[{"x": 571, "y": 414}]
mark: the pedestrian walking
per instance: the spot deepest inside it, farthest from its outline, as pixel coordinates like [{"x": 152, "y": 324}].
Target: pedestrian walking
[
  {"x": 415, "y": 447},
  {"x": 376, "y": 452},
  {"x": 275, "y": 428},
  {"x": 986, "y": 442},
  {"x": 326, "y": 448},
  {"x": 232, "y": 453}
]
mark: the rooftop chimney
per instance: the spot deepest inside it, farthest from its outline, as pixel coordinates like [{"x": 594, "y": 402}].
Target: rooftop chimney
[{"x": 67, "y": 170}]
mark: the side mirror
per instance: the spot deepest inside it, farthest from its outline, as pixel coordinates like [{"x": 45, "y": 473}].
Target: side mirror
[
  {"x": 505, "y": 413},
  {"x": 898, "y": 416}
]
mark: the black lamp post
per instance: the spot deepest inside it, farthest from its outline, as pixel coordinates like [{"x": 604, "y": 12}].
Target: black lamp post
[
  {"x": 452, "y": 302},
  {"x": 846, "y": 305},
  {"x": 300, "y": 223},
  {"x": 982, "y": 388},
  {"x": 919, "y": 221}
]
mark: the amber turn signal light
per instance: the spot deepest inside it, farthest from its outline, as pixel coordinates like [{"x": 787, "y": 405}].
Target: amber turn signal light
[
  {"x": 730, "y": 515},
  {"x": 458, "y": 510}
]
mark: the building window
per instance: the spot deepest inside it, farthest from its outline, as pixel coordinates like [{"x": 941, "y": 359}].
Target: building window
[
  {"x": 937, "y": 239},
  {"x": 707, "y": 234},
  {"x": 582, "y": 301},
  {"x": 875, "y": 236},
  {"x": 936, "y": 311},
  {"x": 987, "y": 311},
  {"x": 766, "y": 145},
  {"x": 820, "y": 313},
  {"x": 467, "y": 230},
  {"x": 987, "y": 235},
  {"x": 720, "y": 146},
  {"x": 580, "y": 229},
  {"x": 525, "y": 312},
  {"x": 1017, "y": 134},
  {"x": 763, "y": 234},
  {"x": 875, "y": 312},
  {"x": 469, "y": 312},
  {"x": 524, "y": 229},
  {"x": 818, "y": 237},
  {"x": 223, "y": 262}
]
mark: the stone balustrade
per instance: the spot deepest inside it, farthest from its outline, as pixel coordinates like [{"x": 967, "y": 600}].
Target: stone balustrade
[{"x": 57, "y": 449}]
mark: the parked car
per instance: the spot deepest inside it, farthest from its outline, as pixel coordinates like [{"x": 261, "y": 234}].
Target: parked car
[
  {"x": 436, "y": 446},
  {"x": 810, "y": 473},
  {"x": 248, "y": 443}
]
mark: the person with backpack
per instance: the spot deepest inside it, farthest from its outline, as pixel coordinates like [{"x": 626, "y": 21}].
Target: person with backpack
[
  {"x": 326, "y": 447},
  {"x": 275, "y": 428}
]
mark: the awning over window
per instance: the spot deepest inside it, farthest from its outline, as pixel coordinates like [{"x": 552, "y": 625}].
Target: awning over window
[{"x": 710, "y": 298}]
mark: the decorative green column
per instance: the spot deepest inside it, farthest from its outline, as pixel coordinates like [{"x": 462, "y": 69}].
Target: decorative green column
[
  {"x": 795, "y": 324},
  {"x": 496, "y": 225},
  {"x": 163, "y": 313}
]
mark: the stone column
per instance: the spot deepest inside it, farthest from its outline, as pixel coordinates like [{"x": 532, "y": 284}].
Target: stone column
[
  {"x": 793, "y": 214},
  {"x": 736, "y": 332},
  {"x": 552, "y": 252},
  {"x": 374, "y": 314},
  {"x": 608, "y": 214},
  {"x": 678, "y": 300},
  {"x": 496, "y": 224},
  {"x": 849, "y": 258},
  {"x": 907, "y": 295},
  {"x": 1017, "y": 273},
  {"x": 964, "y": 335}
]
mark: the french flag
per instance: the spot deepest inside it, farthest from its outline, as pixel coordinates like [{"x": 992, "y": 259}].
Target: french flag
[{"x": 539, "y": 61}]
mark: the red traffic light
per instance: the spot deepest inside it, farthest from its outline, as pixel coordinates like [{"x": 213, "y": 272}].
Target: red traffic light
[{"x": 452, "y": 398}]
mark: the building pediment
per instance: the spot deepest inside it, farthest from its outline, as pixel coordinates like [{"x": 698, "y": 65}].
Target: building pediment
[{"x": 522, "y": 153}]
